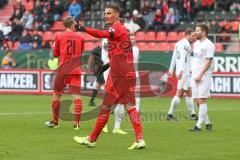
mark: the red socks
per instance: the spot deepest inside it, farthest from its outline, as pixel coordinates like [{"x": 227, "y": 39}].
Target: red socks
[
  {"x": 101, "y": 122},
  {"x": 77, "y": 110},
  {"x": 55, "y": 110},
  {"x": 136, "y": 123}
]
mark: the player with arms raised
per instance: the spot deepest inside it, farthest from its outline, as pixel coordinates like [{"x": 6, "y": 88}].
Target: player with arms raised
[
  {"x": 181, "y": 58},
  {"x": 121, "y": 81},
  {"x": 68, "y": 47},
  {"x": 202, "y": 68}
]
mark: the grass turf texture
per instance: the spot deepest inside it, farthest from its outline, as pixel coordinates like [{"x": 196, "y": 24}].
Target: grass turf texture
[{"x": 24, "y": 137}]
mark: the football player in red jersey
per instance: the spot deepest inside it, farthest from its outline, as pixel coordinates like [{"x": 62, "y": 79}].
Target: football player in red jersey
[
  {"x": 68, "y": 47},
  {"x": 120, "y": 84}
]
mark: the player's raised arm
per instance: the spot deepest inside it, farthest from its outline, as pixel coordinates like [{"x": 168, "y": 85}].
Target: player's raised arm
[
  {"x": 94, "y": 32},
  {"x": 111, "y": 16}
]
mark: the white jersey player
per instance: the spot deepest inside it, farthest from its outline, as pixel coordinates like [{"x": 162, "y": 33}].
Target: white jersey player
[
  {"x": 181, "y": 59},
  {"x": 202, "y": 68}
]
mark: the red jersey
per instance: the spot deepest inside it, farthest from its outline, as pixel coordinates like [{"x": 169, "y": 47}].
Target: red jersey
[
  {"x": 68, "y": 45},
  {"x": 119, "y": 46},
  {"x": 122, "y": 78}
]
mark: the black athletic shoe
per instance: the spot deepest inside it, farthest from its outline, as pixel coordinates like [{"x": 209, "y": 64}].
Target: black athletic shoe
[
  {"x": 209, "y": 127},
  {"x": 170, "y": 117},
  {"x": 194, "y": 117},
  {"x": 195, "y": 129},
  {"x": 92, "y": 103}
]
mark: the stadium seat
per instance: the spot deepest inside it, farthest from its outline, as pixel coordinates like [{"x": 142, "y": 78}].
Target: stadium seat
[
  {"x": 172, "y": 36},
  {"x": 200, "y": 16},
  {"x": 87, "y": 15},
  {"x": 88, "y": 46},
  {"x": 142, "y": 46},
  {"x": 163, "y": 46},
  {"x": 47, "y": 36},
  {"x": 88, "y": 23},
  {"x": 161, "y": 36},
  {"x": 65, "y": 14},
  {"x": 98, "y": 25},
  {"x": 151, "y": 36},
  {"x": 221, "y": 24},
  {"x": 97, "y": 15},
  {"x": 9, "y": 44},
  {"x": 235, "y": 25},
  {"x": 218, "y": 47},
  {"x": 152, "y": 46},
  {"x": 96, "y": 6},
  {"x": 40, "y": 33},
  {"x": 140, "y": 36},
  {"x": 29, "y": 6},
  {"x": 15, "y": 45},
  {"x": 234, "y": 48},
  {"x": 181, "y": 35},
  {"x": 171, "y": 46},
  {"x": 58, "y": 26}
]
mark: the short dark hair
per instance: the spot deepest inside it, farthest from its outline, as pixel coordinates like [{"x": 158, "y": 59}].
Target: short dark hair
[
  {"x": 203, "y": 27},
  {"x": 188, "y": 31},
  {"x": 114, "y": 7},
  {"x": 68, "y": 21}
]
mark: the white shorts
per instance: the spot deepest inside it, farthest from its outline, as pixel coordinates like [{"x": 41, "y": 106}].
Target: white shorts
[
  {"x": 201, "y": 89},
  {"x": 184, "y": 82}
]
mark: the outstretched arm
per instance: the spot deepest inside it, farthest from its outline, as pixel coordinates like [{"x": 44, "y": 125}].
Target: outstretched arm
[{"x": 95, "y": 32}]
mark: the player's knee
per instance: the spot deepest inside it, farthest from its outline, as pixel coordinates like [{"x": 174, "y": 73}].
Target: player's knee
[
  {"x": 77, "y": 97},
  {"x": 56, "y": 97},
  {"x": 104, "y": 107},
  {"x": 179, "y": 93},
  {"x": 202, "y": 100}
]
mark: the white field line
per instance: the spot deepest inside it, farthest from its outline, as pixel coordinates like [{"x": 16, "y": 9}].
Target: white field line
[{"x": 148, "y": 112}]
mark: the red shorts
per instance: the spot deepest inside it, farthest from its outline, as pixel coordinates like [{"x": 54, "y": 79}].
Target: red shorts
[
  {"x": 119, "y": 90},
  {"x": 72, "y": 80}
]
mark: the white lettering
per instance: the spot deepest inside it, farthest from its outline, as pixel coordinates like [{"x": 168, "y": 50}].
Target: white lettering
[
  {"x": 231, "y": 63},
  {"x": 236, "y": 85},
  {"x": 219, "y": 64}
]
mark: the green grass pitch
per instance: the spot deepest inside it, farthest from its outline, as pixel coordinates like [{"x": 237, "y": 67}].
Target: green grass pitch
[{"x": 24, "y": 137}]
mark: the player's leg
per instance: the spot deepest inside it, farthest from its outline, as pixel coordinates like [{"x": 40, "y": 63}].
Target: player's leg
[
  {"x": 119, "y": 113},
  {"x": 137, "y": 94},
  {"x": 137, "y": 126},
  {"x": 55, "y": 111},
  {"x": 174, "y": 104},
  {"x": 190, "y": 104},
  {"x": 75, "y": 89},
  {"x": 58, "y": 88},
  {"x": 105, "y": 108},
  {"x": 202, "y": 112},
  {"x": 100, "y": 123},
  {"x": 138, "y": 100},
  {"x": 77, "y": 110},
  {"x": 94, "y": 94},
  {"x": 204, "y": 93}
]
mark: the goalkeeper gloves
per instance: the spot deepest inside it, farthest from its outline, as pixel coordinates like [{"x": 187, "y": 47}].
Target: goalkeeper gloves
[{"x": 79, "y": 28}]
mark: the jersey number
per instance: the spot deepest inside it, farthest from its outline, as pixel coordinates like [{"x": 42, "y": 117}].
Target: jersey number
[
  {"x": 178, "y": 55},
  {"x": 71, "y": 47}
]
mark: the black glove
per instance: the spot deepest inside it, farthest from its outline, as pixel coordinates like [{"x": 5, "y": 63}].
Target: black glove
[{"x": 79, "y": 28}]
